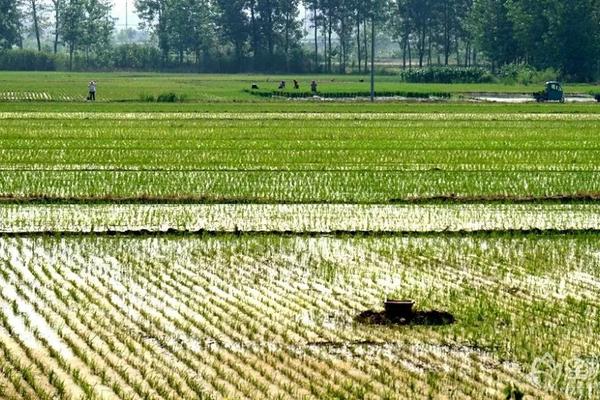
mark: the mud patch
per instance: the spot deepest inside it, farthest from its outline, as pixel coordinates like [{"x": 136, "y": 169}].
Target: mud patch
[{"x": 422, "y": 318}]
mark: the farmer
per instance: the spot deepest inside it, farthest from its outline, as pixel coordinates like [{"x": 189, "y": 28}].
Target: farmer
[
  {"x": 313, "y": 86},
  {"x": 282, "y": 85},
  {"x": 92, "y": 91},
  {"x": 296, "y": 85}
]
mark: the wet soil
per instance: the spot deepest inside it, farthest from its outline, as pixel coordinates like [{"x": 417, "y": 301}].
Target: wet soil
[{"x": 424, "y": 318}]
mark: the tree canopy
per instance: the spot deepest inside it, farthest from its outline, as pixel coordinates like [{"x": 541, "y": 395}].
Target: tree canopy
[{"x": 321, "y": 35}]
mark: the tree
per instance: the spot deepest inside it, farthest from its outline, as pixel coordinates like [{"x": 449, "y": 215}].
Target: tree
[
  {"x": 98, "y": 27},
  {"x": 233, "y": 22},
  {"x": 576, "y": 33},
  {"x": 72, "y": 28},
  {"x": 313, "y": 5},
  {"x": 36, "y": 10},
  {"x": 57, "y": 6},
  {"x": 9, "y": 24},
  {"x": 493, "y": 31},
  {"x": 153, "y": 15},
  {"x": 400, "y": 26},
  {"x": 288, "y": 11},
  {"x": 377, "y": 16}
]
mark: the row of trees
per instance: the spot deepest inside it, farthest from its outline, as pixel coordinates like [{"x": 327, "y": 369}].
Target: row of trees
[
  {"x": 263, "y": 35},
  {"x": 84, "y": 26}
]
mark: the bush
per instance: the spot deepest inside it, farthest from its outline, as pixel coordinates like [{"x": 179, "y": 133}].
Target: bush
[
  {"x": 446, "y": 75},
  {"x": 136, "y": 57},
  {"x": 169, "y": 97},
  {"x": 525, "y": 74},
  {"x": 147, "y": 98},
  {"x": 26, "y": 60}
]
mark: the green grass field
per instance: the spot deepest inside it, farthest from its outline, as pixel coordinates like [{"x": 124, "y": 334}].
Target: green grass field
[
  {"x": 118, "y": 87},
  {"x": 226, "y": 247}
]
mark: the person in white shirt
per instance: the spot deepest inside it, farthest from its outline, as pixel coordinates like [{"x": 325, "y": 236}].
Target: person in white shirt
[{"x": 92, "y": 91}]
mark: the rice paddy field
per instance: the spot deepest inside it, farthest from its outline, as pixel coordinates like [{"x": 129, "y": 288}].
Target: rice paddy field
[{"x": 230, "y": 247}]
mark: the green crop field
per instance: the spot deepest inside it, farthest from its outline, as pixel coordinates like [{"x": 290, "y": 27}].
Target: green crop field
[
  {"x": 128, "y": 87},
  {"x": 239, "y": 247}
]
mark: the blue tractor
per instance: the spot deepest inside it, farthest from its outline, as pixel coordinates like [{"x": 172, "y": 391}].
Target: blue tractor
[{"x": 552, "y": 92}]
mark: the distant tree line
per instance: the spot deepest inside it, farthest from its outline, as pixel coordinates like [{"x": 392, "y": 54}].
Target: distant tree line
[{"x": 338, "y": 36}]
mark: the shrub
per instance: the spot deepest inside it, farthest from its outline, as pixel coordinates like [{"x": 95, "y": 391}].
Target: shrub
[
  {"x": 147, "y": 98},
  {"x": 525, "y": 74},
  {"x": 136, "y": 57},
  {"x": 446, "y": 75},
  {"x": 169, "y": 97},
  {"x": 26, "y": 60}
]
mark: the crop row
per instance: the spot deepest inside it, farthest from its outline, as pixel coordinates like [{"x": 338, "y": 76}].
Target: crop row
[
  {"x": 298, "y": 158},
  {"x": 293, "y": 186},
  {"x": 299, "y": 218},
  {"x": 301, "y": 116},
  {"x": 268, "y": 316}
]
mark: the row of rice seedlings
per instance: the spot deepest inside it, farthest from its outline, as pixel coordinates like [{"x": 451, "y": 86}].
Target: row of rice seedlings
[
  {"x": 19, "y": 375},
  {"x": 35, "y": 368},
  {"x": 165, "y": 286},
  {"x": 250, "y": 263},
  {"x": 145, "y": 316},
  {"x": 288, "y": 299},
  {"x": 171, "y": 379},
  {"x": 108, "y": 338},
  {"x": 231, "y": 315},
  {"x": 28, "y": 96},
  {"x": 78, "y": 339},
  {"x": 294, "y": 186},
  {"x": 302, "y": 117},
  {"x": 313, "y": 159}
]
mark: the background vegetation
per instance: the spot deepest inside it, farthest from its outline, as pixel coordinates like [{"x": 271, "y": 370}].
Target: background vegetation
[{"x": 558, "y": 37}]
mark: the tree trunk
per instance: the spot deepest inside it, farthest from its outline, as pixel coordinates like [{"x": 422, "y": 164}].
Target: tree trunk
[
  {"x": 36, "y": 25},
  {"x": 403, "y": 49},
  {"x": 446, "y": 34},
  {"x": 316, "y": 36},
  {"x": 457, "y": 51},
  {"x": 56, "y": 23},
  {"x": 372, "y": 59},
  {"x": 421, "y": 46},
  {"x": 429, "y": 43},
  {"x": 254, "y": 34},
  {"x": 366, "y": 45},
  {"x": 71, "y": 50},
  {"x": 342, "y": 47},
  {"x": 287, "y": 44},
  {"x": 358, "y": 43},
  {"x": 329, "y": 33}
]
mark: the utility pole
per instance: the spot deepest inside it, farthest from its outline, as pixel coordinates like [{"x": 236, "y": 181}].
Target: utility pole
[{"x": 373, "y": 59}]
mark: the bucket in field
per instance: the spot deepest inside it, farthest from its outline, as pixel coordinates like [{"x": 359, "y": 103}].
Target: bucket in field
[{"x": 396, "y": 309}]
